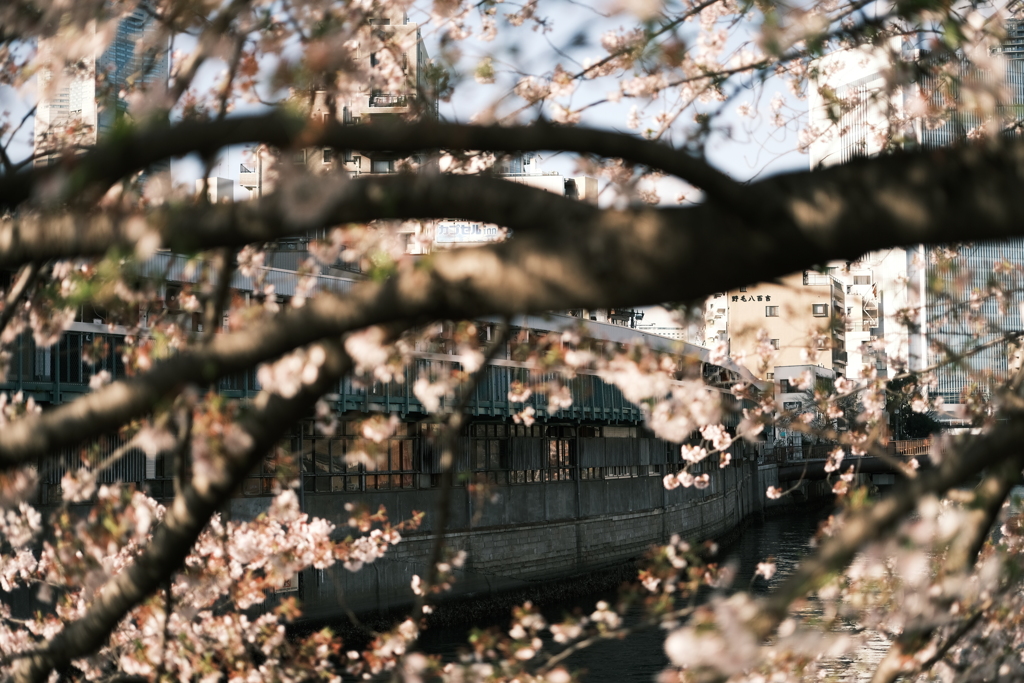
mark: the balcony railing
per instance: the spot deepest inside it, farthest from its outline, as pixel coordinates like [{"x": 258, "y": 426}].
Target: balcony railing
[
  {"x": 388, "y": 100},
  {"x": 838, "y": 356}
]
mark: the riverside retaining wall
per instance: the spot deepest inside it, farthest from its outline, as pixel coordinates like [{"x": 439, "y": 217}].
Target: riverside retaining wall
[{"x": 525, "y": 535}]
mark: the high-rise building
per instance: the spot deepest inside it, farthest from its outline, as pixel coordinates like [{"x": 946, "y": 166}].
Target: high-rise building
[{"x": 84, "y": 109}]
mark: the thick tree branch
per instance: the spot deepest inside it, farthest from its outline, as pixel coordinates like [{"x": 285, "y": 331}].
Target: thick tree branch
[
  {"x": 295, "y": 209},
  {"x": 564, "y": 254},
  {"x": 104, "y": 165},
  {"x": 186, "y": 517},
  {"x": 1001, "y": 446},
  {"x": 841, "y": 212}
]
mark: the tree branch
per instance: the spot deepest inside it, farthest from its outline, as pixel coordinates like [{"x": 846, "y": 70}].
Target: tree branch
[
  {"x": 449, "y": 437},
  {"x": 183, "y": 522},
  {"x": 564, "y": 254},
  {"x": 960, "y": 558},
  {"x": 26, "y": 277},
  {"x": 97, "y": 170},
  {"x": 973, "y": 454}
]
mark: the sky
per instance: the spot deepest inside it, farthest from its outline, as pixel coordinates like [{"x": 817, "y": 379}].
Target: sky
[{"x": 523, "y": 50}]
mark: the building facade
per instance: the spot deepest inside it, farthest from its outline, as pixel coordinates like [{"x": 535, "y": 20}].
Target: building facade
[
  {"x": 87, "y": 106},
  {"x": 919, "y": 293},
  {"x": 801, "y": 318}
]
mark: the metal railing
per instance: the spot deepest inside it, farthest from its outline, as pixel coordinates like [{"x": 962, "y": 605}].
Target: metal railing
[{"x": 388, "y": 100}]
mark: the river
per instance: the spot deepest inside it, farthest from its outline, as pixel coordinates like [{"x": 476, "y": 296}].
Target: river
[{"x": 641, "y": 656}]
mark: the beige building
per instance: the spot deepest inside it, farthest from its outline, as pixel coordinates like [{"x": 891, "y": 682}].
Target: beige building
[{"x": 798, "y": 321}]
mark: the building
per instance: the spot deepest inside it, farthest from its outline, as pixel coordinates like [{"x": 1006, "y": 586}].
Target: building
[
  {"x": 801, "y": 319},
  {"x": 401, "y": 42},
  {"x": 526, "y": 169},
  {"x": 917, "y": 294},
  {"x": 87, "y": 107},
  {"x": 716, "y": 319},
  {"x": 876, "y": 299},
  {"x": 218, "y": 190}
]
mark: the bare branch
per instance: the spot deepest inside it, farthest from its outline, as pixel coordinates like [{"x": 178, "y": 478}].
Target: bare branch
[
  {"x": 213, "y": 310},
  {"x": 452, "y": 428}
]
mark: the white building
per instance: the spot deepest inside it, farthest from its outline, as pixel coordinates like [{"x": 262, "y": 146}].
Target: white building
[
  {"x": 716, "y": 319},
  {"x": 218, "y": 190},
  {"x": 854, "y": 113},
  {"x": 876, "y": 301},
  {"x": 80, "y": 108}
]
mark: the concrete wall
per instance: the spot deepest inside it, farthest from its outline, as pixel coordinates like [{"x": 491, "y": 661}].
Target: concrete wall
[{"x": 532, "y": 533}]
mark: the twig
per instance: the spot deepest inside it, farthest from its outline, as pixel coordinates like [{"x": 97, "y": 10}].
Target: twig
[
  {"x": 615, "y": 634},
  {"x": 181, "y": 452},
  {"x": 215, "y": 304},
  {"x": 26, "y": 277},
  {"x": 8, "y": 165}
]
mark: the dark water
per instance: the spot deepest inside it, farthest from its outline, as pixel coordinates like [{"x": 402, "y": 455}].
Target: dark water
[{"x": 641, "y": 656}]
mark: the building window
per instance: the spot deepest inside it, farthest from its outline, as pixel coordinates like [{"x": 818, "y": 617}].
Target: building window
[
  {"x": 300, "y": 157},
  {"x": 743, "y": 289},
  {"x": 328, "y": 155},
  {"x": 774, "y": 343},
  {"x": 820, "y": 310},
  {"x": 382, "y": 166},
  {"x": 770, "y": 375},
  {"x": 771, "y": 311},
  {"x": 862, "y": 279}
]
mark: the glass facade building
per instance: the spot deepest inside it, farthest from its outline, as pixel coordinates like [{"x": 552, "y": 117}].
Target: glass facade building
[{"x": 949, "y": 285}]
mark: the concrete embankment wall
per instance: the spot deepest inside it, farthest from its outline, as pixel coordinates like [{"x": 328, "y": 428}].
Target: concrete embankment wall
[{"x": 526, "y": 534}]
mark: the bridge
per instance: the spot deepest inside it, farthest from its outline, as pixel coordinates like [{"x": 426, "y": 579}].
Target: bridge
[{"x": 794, "y": 466}]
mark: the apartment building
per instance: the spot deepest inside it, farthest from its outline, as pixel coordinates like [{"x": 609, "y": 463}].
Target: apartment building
[{"x": 802, "y": 317}]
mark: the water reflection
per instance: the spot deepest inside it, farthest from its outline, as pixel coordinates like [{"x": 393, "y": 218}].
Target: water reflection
[{"x": 641, "y": 657}]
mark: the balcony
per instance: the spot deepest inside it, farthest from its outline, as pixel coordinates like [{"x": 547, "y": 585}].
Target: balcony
[
  {"x": 839, "y": 357},
  {"x": 813, "y": 278},
  {"x": 383, "y": 100}
]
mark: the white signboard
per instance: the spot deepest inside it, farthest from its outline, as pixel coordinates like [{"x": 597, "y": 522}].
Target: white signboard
[{"x": 463, "y": 232}]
